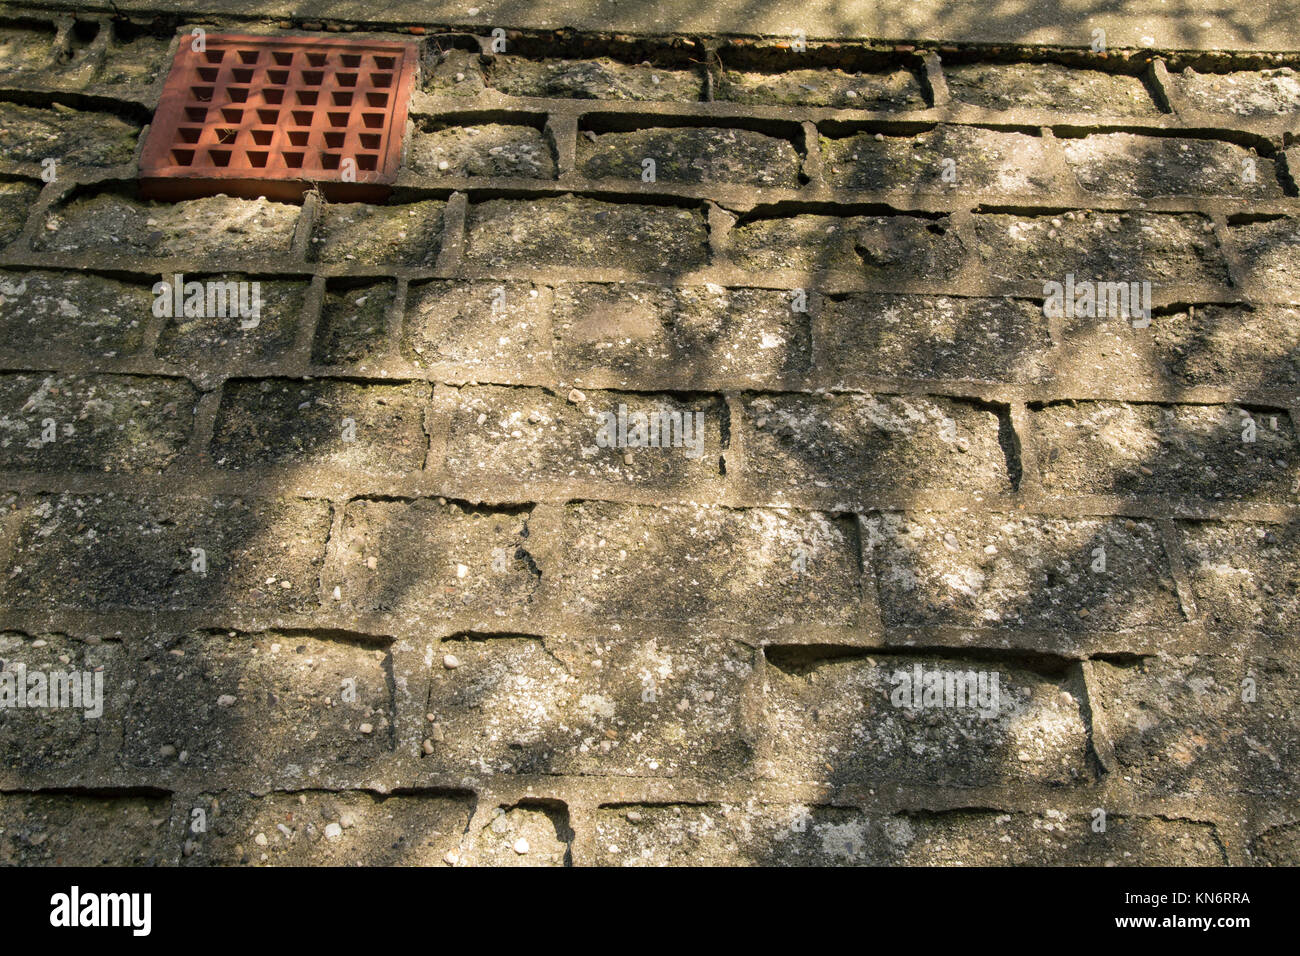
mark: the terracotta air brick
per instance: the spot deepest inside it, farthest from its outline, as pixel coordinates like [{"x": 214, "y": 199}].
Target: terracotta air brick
[{"x": 267, "y": 116}]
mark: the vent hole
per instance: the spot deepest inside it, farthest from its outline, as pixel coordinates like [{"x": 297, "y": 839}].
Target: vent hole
[
  {"x": 308, "y": 97},
  {"x": 189, "y": 134},
  {"x": 208, "y": 74},
  {"x": 312, "y": 77},
  {"x": 183, "y": 157},
  {"x": 249, "y": 56},
  {"x": 338, "y": 119},
  {"x": 369, "y": 140},
  {"x": 268, "y": 117},
  {"x": 351, "y": 60},
  {"x": 258, "y": 158},
  {"x": 242, "y": 75},
  {"x": 202, "y": 93},
  {"x": 195, "y": 114},
  {"x": 367, "y": 162},
  {"x": 274, "y": 97},
  {"x": 377, "y": 100},
  {"x": 330, "y": 160},
  {"x": 262, "y": 137},
  {"x": 231, "y": 114},
  {"x": 381, "y": 80},
  {"x": 299, "y": 137},
  {"x": 302, "y": 117},
  {"x": 346, "y": 79},
  {"x": 238, "y": 94},
  {"x": 335, "y": 140},
  {"x": 281, "y": 58},
  {"x": 385, "y": 62},
  {"x": 214, "y": 56},
  {"x": 373, "y": 120},
  {"x": 293, "y": 160},
  {"x": 316, "y": 59},
  {"x": 226, "y": 135},
  {"x": 342, "y": 99},
  {"x": 279, "y": 77},
  {"x": 219, "y": 157}
]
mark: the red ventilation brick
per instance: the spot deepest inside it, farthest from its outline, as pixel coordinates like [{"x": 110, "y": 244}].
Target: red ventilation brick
[{"x": 262, "y": 116}]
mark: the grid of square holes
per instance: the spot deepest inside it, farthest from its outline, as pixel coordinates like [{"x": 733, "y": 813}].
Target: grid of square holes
[{"x": 273, "y": 109}]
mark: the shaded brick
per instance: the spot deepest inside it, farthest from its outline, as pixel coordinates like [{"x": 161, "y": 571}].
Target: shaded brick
[
  {"x": 600, "y": 79},
  {"x": 1270, "y": 252},
  {"x": 1231, "y": 345},
  {"x": 857, "y": 444},
  {"x": 996, "y": 570},
  {"x": 488, "y": 150},
  {"x": 1100, "y": 246},
  {"x": 453, "y": 73},
  {"x": 625, "y": 707},
  {"x": 316, "y": 828},
  {"x": 418, "y": 550},
  {"x": 1244, "y": 576},
  {"x": 132, "y": 60},
  {"x": 1122, "y": 164},
  {"x": 100, "y": 422},
  {"x": 571, "y": 231},
  {"x": 897, "y": 247},
  {"x": 353, "y": 325},
  {"x": 408, "y": 235},
  {"x": 1047, "y": 86},
  {"x": 461, "y": 323},
  {"x": 16, "y": 199},
  {"x": 216, "y": 227},
  {"x": 1277, "y": 846},
  {"x": 697, "y": 562},
  {"x": 210, "y": 342},
  {"x": 305, "y": 422},
  {"x": 531, "y": 434},
  {"x": 699, "y": 335},
  {"x": 544, "y": 830},
  {"x": 87, "y": 314},
  {"x": 48, "y": 829},
  {"x": 896, "y": 90},
  {"x": 984, "y": 159},
  {"x": 81, "y": 725},
  {"x": 685, "y": 155},
  {"x": 263, "y": 703},
  {"x": 1179, "y": 724},
  {"x": 1197, "y": 450},
  {"x": 72, "y": 137},
  {"x": 863, "y": 337},
  {"x": 1241, "y": 93},
  {"x": 24, "y": 48},
  {"x": 109, "y": 551},
  {"x": 835, "y": 720}
]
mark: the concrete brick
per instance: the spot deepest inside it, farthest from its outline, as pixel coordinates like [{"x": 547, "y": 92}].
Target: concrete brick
[
  {"x": 686, "y": 155},
  {"x": 491, "y": 149},
  {"x": 863, "y": 337},
  {"x": 855, "y": 445},
  {"x": 132, "y": 61},
  {"x": 71, "y": 137},
  {"x": 1179, "y": 450},
  {"x": 16, "y": 200},
  {"x": 569, "y": 231},
  {"x": 1231, "y": 346},
  {"x": 210, "y": 342},
  {"x": 318, "y": 828},
  {"x": 696, "y": 562},
  {"x": 983, "y": 159},
  {"x": 78, "y": 728},
  {"x": 1270, "y": 252},
  {"x": 1241, "y": 92},
  {"x": 897, "y": 247},
  {"x": 353, "y": 327},
  {"x": 268, "y": 704},
  {"x": 290, "y": 422},
  {"x": 453, "y": 73},
  {"x": 1100, "y": 247},
  {"x": 532, "y": 434},
  {"x": 1047, "y": 86},
  {"x": 698, "y": 335},
  {"x": 885, "y": 91},
  {"x": 99, "y": 552},
  {"x": 100, "y": 422},
  {"x": 218, "y": 227},
  {"x": 1179, "y": 724},
  {"x": 461, "y": 323},
  {"x": 836, "y": 720},
  {"x": 1243, "y": 575},
  {"x": 599, "y": 79},
  {"x": 1276, "y": 846},
  {"x": 49, "y": 829},
  {"x": 1020, "y": 571},
  {"x": 622, "y": 707},
  {"x": 407, "y": 235},
  {"x": 418, "y": 549},
  {"x": 25, "y": 47},
  {"x": 544, "y": 831},
  {"x": 67, "y": 311},
  {"x": 1122, "y": 164}
]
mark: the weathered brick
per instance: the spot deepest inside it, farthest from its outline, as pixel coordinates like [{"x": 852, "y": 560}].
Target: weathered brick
[
  {"x": 16, "y": 199},
  {"x": 1270, "y": 252},
  {"x": 487, "y": 150},
  {"x": 420, "y": 558},
  {"x": 996, "y": 570},
  {"x": 686, "y": 155},
  {"x": 408, "y": 235},
  {"x": 624, "y": 707},
  {"x": 474, "y": 324},
  {"x": 868, "y": 336},
  {"x": 1241, "y": 93},
  {"x": 210, "y": 342},
  {"x": 837, "y": 720},
  {"x": 698, "y": 335},
  {"x": 697, "y": 562},
  {"x": 543, "y": 829},
  {"x": 600, "y": 79},
  {"x": 68, "y": 136},
  {"x": 1276, "y": 846},
  {"x": 1180, "y": 725},
  {"x": 24, "y": 47},
  {"x": 1100, "y": 246},
  {"x": 217, "y": 228},
  {"x": 132, "y": 59},
  {"x": 317, "y": 828},
  {"x": 353, "y": 325},
  {"x": 1194, "y": 450},
  {"x": 1047, "y": 86},
  {"x": 532, "y": 434},
  {"x": 1122, "y": 164},
  {"x": 1244, "y": 575},
  {"x": 87, "y": 314},
  {"x": 1231, "y": 345},
  {"x": 110, "y": 551},
  {"x": 268, "y": 703},
  {"x": 99, "y": 422},
  {"x": 897, "y": 247},
  {"x": 49, "y": 829},
  {"x": 896, "y": 90},
  {"x": 453, "y": 73},
  {"x": 291, "y": 422},
  {"x": 571, "y": 231},
  {"x": 984, "y": 159},
  {"x": 854, "y": 445},
  {"x": 80, "y": 726}
]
